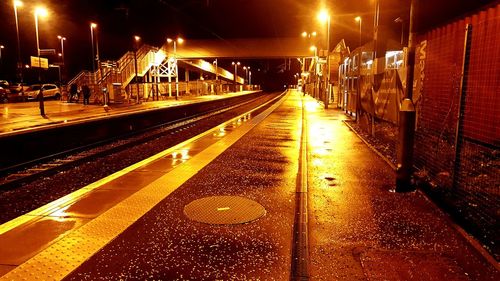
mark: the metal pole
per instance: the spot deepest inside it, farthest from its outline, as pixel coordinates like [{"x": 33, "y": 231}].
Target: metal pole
[
  {"x": 19, "y": 62},
  {"x": 461, "y": 105},
  {"x": 135, "y": 67},
  {"x": 327, "y": 80},
  {"x": 407, "y": 117},
  {"x": 176, "y": 72},
  {"x": 40, "y": 92},
  {"x": 92, "y": 44}
]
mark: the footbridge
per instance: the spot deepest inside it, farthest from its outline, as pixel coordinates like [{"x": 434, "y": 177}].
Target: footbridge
[{"x": 159, "y": 65}]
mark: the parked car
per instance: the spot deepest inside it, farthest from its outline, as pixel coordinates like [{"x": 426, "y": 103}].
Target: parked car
[
  {"x": 4, "y": 94},
  {"x": 49, "y": 91},
  {"x": 18, "y": 87}
]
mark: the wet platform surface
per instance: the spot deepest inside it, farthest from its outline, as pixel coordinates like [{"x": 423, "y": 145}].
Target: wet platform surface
[{"x": 132, "y": 225}]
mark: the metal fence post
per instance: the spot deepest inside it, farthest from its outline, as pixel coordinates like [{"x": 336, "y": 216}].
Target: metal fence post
[{"x": 461, "y": 105}]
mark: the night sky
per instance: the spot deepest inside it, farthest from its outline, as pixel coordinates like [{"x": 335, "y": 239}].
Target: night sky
[{"x": 154, "y": 20}]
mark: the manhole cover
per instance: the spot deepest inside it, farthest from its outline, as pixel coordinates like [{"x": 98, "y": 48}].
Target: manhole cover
[{"x": 224, "y": 210}]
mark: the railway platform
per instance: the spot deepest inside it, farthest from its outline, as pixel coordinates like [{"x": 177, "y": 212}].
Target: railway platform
[
  {"x": 225, "y": 205},
  {"x": 26, "y": 115}
]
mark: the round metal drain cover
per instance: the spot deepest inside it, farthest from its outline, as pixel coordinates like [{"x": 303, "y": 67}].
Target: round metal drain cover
[{"x": 224, "y": 210}]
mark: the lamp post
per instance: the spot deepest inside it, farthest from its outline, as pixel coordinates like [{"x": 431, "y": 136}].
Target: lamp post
[
  {"x": 400, "y": 20},
  {"x": 360, "y": 20},
  {"x": 92, "y": 26},
  {"x": 324, "y": 16},
  {"x": 215, "y": 62},
  {"x": 250, "y": 78},
  {"x": 235, "y": 73},
  {"x": 62, "y": 39},
  {"x": 136, "y": 47},
  {"x": 39, "y": 11},
  {"x": 18, "y": 3},
  {"x": 180, "y": 41},
  {"x": 246, "y": 68},
  {"x": 315, "y": 50}
]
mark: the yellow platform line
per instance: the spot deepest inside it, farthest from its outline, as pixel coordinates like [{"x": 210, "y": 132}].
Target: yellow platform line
[{"x": 65, "y": 255}]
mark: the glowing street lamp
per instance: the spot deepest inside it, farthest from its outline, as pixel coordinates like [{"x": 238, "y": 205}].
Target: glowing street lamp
[
  {"x": 137, "y": 39},
  {"x": 92, "y": 27},
  {"x": 360, "y": 20},
  {"x": 246, "y": 68},
  {"x": 235, "y": 72},
  {"x": 17, "y": 4},
  {"x": 62, "y": 39},
  {"x": 180, "y": 41},
  {"x": 39, "y": 12},
  {"x": 324, "y": 17}
]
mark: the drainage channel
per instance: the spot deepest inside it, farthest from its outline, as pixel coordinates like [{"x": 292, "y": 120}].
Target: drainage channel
[{"x": 300, "y": 247}]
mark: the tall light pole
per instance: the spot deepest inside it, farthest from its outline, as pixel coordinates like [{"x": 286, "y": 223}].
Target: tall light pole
[
  {"x": 246, "y": 68},
  {"x": 400, "y": 20},
  {"x": 215, "y": 62},
  {"x": 250, "y": 78},
  {"x": 18, "y": 3},
  {"x": 235, "y": 73},
  {"x": 360, "y": 56},
  {"x": 180, "y": 41},
  {"x": 324, "y": 16},
  {"x": 39, "y": 11},
  {"x": 360, "y": 20},
  {"x": 1, "y": 66},
  {"x": 92, "y": 26},
  {"x": 62, "y": 39},
  {"x": 137, "y": 39},
  {"x": 315, "y": 50}
]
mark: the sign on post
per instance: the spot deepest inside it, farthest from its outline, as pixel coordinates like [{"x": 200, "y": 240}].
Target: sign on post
[{"x": 39, "y": 62}]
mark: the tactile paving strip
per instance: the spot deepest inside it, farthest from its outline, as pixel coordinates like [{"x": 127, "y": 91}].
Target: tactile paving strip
[{"x": 224, "y": 210}]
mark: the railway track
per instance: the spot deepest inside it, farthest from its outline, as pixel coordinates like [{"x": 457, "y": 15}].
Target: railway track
[{"x": 20, "y": 174}]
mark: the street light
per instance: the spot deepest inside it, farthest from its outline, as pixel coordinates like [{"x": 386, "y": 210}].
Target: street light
[
  {"x": 400, "y": 20},
  {"x": 18, "y": 3},
  {"x": 136, "y": 46},
  {"x": 92, "y": 27},
  {"x": 250, "y": 78},
  {"x": 360, "y": 20},
  {"x": 62, "y": 39},
  {"x": 324, "y": 16},
  {"x": 42, "y": 12},
  {"x": 180, "y": 41},
  {"x": 235, "y": 72},
  {"x": 246, "y": 68}
]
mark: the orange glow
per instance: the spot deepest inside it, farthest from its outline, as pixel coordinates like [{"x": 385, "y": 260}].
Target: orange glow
[
  {"x": 18, "y": 3},
  {"x": 323, "y": 16},
  {"x": 41, "y": 12},
  {"x": 180, "y": 40},
  {"x": 137, "y": 38},
  {"x": 358, "y": 18},
  {"x": 313, "y": 48},
  {"x": 93, "y": 25},
  {"x": 304, "y": 34}
]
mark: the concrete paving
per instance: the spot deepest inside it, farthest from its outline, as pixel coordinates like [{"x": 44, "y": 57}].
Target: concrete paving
[{"x": 359, "y": 228}]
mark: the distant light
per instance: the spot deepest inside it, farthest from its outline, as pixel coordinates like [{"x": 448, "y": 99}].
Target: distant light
[
  {"x": 370, "y": 62},
  {"x": 169, "y": 40},
  {"x": 358, "y": 18},
  {"x": 2, "y": 46},
  {"x": 27, "y": 66},
  {"x": 304, "y": 34},
  {"x": 18, "y": 3},
  {"x": 137, "y": 38},
  {"x": 180, "y": 40},
  {"x": 41, "y": 11},
  {"x": 93, "y": 25},
  {"x": 313, "y": 33},
  {"x": 313, "y": 48},
  {"x": 323, "y": 15},
  {"x": 59, "y": 54}
]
